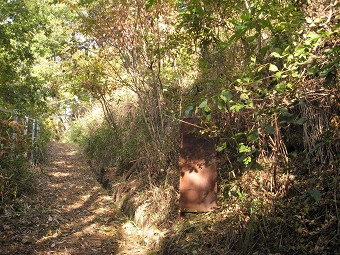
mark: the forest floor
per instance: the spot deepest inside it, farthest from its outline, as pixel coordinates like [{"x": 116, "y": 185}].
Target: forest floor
[{"x": 67, "y": 213}]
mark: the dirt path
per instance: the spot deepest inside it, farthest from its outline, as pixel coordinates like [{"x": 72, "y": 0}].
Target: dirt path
[{"x": 68, "y": 213}]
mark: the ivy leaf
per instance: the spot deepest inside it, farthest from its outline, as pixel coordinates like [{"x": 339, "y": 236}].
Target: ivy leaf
[
  {"x": 286, "y": 50},
  {"x": 273, "y": 68}
]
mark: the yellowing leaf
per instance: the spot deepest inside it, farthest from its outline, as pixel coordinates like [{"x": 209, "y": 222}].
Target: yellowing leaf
[
  {"x": 275, "y": 55},
  {"x": 273, "y": 68}
]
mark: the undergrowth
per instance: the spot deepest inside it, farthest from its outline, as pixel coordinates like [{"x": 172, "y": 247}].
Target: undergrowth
[
  {"x": 295, "y": 213},
  {"x": 18, "y": 156}
]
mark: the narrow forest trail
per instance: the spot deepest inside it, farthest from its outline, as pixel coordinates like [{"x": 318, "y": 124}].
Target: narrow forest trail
[{"x": 68, "y": 212}]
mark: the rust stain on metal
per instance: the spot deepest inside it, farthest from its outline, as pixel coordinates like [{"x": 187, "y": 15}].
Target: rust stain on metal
[{"x": 197, "y": 162}]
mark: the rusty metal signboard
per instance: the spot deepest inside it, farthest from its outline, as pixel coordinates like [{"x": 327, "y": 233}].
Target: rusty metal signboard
[{"x": 198, "y": 169}]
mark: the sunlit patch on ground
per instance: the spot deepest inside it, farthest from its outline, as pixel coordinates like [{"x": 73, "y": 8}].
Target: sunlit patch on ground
[
  {"x": 59, "y": 162},
  {"x": 71, "y": 153},
  {"x": 57, "y": 185},
  {"x": 76, "y": 205},
  {"x": 60, "y": 174}
]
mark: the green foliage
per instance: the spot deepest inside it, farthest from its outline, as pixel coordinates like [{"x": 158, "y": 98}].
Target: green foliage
[
  {"x": 15, "y": 172},
  {"x": 33, "y": 36},
  {"x": 108, "y": 146}
]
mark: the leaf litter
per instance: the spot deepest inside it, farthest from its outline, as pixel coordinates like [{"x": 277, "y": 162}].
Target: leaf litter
[{"x": 68, "y": 212}]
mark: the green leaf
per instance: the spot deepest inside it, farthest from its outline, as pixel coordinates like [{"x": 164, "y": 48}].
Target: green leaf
[
  {"x": 244, "y": 97},
  {"x": 302, "y": 103},
  {"x": 206, "y": 111},
  {"x": 149, "y": 4},
  {"x": 314, "y": 36},
  {"x": 295, "y": 75},
  {"x": 237, "y": 107},
  {"x": 203, "y": 104},
  {"x": 264, "y": 50},
  {"x": 269, "y": 129},
  {"x": 238, "y": 135},
  {"x": 273, "y": 68},
  {"x": 226, "y": 95},
  {"x": 228, "y": 106},
  {"x": 224, "y": 100},
  {"x": 286, "y": 50},
  {"x": 236, "y": 193},
  {"x": 275, "y": 55},
  {"x": 247, "y": 160},
  {"x": 299, "y": 51},
  {"x": 221, "y": 104},
  {"x": 243, "y": 148},
  {"x": 245, "y": 16},
  {"x": 253, "y": 135},
  {"x": 316, "y": 194},
  {"x": 286, "y": 116},
  {"x": 280, "y": 87},
  {"x": 278, "y": 75},
  {"x": 265, "y": 24},
  {"x": 251, "y": 38},
  {"x": 222, "y": 147},
  {"x": 336, "y": 27},
  {"x": 189, "y": 111},
  {"x": 207, "y": 114},
  {"x": 300, "y": 121},
  {"x": 200, "y": 10}
]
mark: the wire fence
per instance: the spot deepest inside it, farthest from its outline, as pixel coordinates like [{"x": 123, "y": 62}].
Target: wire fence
[{"x": 14, "y": 125}]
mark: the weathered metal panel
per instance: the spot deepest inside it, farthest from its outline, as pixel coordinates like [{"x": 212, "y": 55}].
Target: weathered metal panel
[{"x": 197, "y": 162}]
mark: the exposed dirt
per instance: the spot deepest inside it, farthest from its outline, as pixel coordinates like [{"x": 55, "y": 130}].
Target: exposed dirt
[{"x": 68, "y": 213}]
